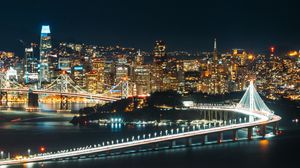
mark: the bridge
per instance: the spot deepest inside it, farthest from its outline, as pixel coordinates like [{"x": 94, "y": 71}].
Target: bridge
[
  {"x": 250, "y": 105},
  {"x": 63, "y": 86}
]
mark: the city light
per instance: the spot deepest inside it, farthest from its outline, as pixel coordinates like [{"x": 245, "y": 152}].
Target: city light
[{"x": 110, "y": 79}]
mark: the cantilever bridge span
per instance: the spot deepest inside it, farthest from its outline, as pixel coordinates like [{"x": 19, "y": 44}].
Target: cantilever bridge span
[{"x": 249, "y": 105}]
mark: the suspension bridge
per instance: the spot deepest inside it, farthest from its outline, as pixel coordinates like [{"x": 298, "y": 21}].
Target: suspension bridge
[
  {"x": 63, "y": 85},
  {"x": 251, "y": 105}
]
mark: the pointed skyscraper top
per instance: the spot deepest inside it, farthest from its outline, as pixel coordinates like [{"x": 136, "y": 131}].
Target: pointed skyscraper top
[
  {"x": 215, "y": 45},
  {"x": 215, "y": 53},
  {"x": 139, "y": 52}
]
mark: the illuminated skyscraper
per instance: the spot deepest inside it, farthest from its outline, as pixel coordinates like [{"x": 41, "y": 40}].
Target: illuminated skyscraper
[
  {"x": 141, "y": 80},
  {"x": 98, "y": 65},
  {"x": 159, "y": 64},
  {"x": 139, "y": 59},
  {"x": 159, "y": 52},
  {"x": 45, "y": 48},
  {"x": 30, "y": 65}
]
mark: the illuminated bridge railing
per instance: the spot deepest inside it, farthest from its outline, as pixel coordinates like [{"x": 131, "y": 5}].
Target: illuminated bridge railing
[{"x": 165, "y": 135}]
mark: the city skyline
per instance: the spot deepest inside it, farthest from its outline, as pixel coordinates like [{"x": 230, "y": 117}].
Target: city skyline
[
  {"x": 190, "y": 25},
  {"x": 154, "y": 83}
]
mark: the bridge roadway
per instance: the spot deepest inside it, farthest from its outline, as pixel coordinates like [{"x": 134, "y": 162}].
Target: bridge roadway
[
  {"x": 82, "y": 95},
  {"x": 262, "y": 120}
]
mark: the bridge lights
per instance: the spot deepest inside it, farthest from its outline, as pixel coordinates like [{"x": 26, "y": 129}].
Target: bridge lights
[
  {"x": 28, "y": 151},
  {"x": 144, "y": 136},
  {"x": 117, "y": 141},
  {"x": 193, "y": 127},
  {"x": 172, "y": 131},
  {"x": 240, "y": 120},
  {"x": 149, "y": 135},
  {"x": 160, "y": 133},
  {"x": 182, "y": 129},
  {"x": 138, "y": 137},
  {"x": 127, "y": 139},
  {"x": 155, "y": 134},
  {"x": 166, "y": 132},
  {"x": 177, "y": 130}
]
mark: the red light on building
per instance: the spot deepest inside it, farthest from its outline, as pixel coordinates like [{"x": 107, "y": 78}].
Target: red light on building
[
  {"x": 42, "y": 149},
  {"x": 272, "y": 49}
]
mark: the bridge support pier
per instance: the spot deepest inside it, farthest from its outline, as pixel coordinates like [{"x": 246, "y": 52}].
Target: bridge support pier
[
  {"x": 3, "y": 95},
  {"x": 250, "y": 133},
  {"x": 220, "y": 137},
  {"x": 155, "y": 146},
  {"x": 204, "y": 139},
  {"x": 275, "y": 128},
  {"x": 64, "y": 103},
  {"x": 33, "y": 100},
  {"x": 172, "y": 143},
  {"x": 234, "y": 135},
  {"x": 263, "y": 130},
  {"x": 189, "y": 142}
]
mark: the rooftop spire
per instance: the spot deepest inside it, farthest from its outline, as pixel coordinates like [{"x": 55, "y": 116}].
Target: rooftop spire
[
  {"x": 215, "y": 44},
  {"x": 215, "y": 53}
]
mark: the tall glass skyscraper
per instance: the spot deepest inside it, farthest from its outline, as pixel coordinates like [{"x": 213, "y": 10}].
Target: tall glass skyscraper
[
  {"x": 45, "y": 48},
  {"x": 30, "y": 65}
]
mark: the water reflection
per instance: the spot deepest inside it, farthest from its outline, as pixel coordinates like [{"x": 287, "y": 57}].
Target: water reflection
[
  {"x": 264, "y": 144},
  {"x": 48, "y": 107}
]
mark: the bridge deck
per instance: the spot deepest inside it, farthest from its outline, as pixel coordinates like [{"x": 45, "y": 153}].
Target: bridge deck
[{"x": 263, "y": 120}]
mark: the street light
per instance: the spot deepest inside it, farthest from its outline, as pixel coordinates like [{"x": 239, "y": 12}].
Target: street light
[
  {"x": 2, "y": 153},
  {"x": 28, "y": 152}
]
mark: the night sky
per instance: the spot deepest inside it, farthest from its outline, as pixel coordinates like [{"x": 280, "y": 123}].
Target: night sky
[{"x": 184, "y": 25}]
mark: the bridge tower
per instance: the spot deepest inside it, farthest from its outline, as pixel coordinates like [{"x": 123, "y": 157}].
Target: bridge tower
[
  {"x": 4, "y": 83},
  {"x": 253, "y": 102},
  {"x": 124, "y": 90},
  {"x": 63, "y": 84},
  {"x": 64, "y": 80}
]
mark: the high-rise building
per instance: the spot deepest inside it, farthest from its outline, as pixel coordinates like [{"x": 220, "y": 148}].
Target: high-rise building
[
  {"x": 91, "y": 81},
  {"x": 121, "y": 73},
  {"x": 139, "y": 59},
  {"x": 78, "y": 75},
  {"x": 159, "y": 52},
  {"x": 64, "y": 64},
  {"x": 141, "y": 80},
  {"x": 159, "y": 64},
  {"x": 30, "y": 66},
  {"x": 98, "y": 65},
  {"x": 45, "y": 48}
]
